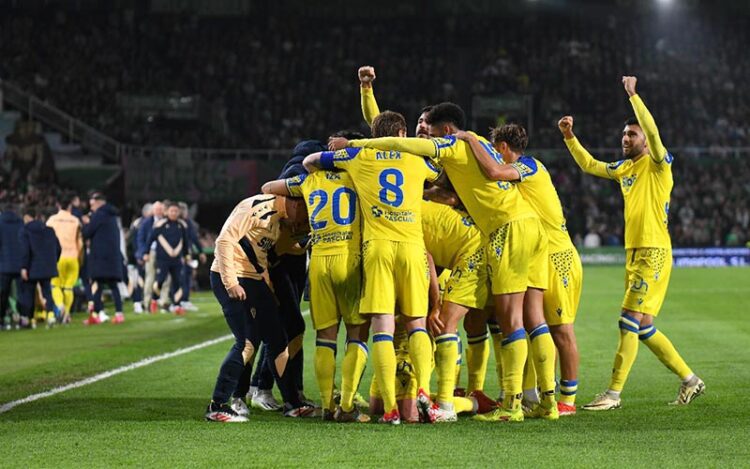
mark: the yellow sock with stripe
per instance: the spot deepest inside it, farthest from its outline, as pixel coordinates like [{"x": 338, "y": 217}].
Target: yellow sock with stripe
[
  {"x": 355, "y": 360},
  {"x": 463, "y": 405},
  {"x": 662, "y": 347},
  {"x": 627, "y": 350},
  {"x": 420, "y": 353},
  {"x": 446, "y": 354},
  {"x": 529, "y": 376},
  {"x": 543, "y": 355},
  {"x": 568, "y": 390},
  {"x": 497, "y": 340},
  {"x": 325, "y": 370},
  {"x": 477, "y": 358},
  {"x": 514, "y": 353},
  {"x": 459, "y": 360},
  {"x": 384, "y": 362}
]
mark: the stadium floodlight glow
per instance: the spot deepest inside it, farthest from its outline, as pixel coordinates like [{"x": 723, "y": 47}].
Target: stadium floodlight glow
[{"x": 665, "y": 2}]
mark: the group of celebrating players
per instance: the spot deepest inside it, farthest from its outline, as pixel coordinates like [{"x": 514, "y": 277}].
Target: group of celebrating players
[{"x": 410, "y": 236}]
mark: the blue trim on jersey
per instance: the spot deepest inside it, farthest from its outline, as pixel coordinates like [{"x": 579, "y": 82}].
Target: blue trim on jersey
[
  {"x": 293, "y": 182},
  {"x": 418, "y": 329},
  {"x": 451, "y": 141},
  {"x": 350, "y": 154},
  {"x": 326, "y": 160},
  {"x": 669, "y": 158},
  {"x": 516, "y": 335},
  {"x": 530, "y": 162},
  {"x": 431, "y": 166},
  {"x": 539, "y": 330},
  {"x": 491, "y": 150},
  {"x": 382, "y": 337}
]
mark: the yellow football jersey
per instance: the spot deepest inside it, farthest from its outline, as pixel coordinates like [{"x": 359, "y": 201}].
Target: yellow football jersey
[
  {"x": 449, "y": 234},
  {"x": 492, "y": 204},
  {"x": 390, "y": 186},
  {"x": 646, "y": 186},
  {"x": 537, "y": 188},
  {"x": 333, "y": 209}
]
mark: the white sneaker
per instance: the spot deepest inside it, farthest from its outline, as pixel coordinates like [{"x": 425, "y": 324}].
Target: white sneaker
[
  {"x": 441, "y": 415},
  {"x": 103, "y": 316},
  {"x": 138, "y": 308},
  {"x": 263, "y": 399},
  {"x": 689, "y": 391},
  {"x": 603, "y": 401},
  {"x": 189, "y": 306},
  {"x": 251, "y": 392},
  {"x": 238, "y": 405}
]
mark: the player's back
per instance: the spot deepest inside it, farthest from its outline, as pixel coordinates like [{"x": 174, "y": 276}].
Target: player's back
[
  {"x": 390, "y": 185},
  {"x": 538, "y": 190},
  {"x": 333, "y": 209},
  {"x": 448, "y": 233},
  {"x": 492, "y": 204}
]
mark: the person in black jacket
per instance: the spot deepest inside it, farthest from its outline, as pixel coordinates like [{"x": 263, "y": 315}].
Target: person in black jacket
[
  {"x": 172, "y": 244},
  {"x": 194, "y": 247},
  {"x": 10, "y": 259},
  {"x": 40, "y": 251},
  {"x": 105, "y": 263}
]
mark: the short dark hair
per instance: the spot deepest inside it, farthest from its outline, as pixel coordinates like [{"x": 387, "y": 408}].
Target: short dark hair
[
  {"x": 97, "y": 195},
  {"x": 512, "y": 134},
  {"x": 632, "y": 121},
  {"x": 66, "y": 200},
  {"x": 31, "y": 211},
  {"x": 388, "y": 124},
  {"x": 348, "y": 134},
  {"x": 426, "y": 109},
  {"x": 172, "y": 204},
  {"x": 447, "y": 113}
]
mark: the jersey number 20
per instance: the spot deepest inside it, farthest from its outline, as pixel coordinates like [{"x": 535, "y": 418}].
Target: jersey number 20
[{"x": 322, "y": 199}]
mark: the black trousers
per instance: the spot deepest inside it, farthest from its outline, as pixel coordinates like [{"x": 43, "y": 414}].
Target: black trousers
[
  {"x": 253, "y": 320},
  {"x": 27, "y": 296},
  {"x": 6, "y": 281},
  {"x": 172, "y": 268}
]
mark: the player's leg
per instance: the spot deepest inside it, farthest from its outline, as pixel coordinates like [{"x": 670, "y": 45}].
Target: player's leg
[
  {"x": 6, "y": 280},
  {"x": 542, "y": 353},
  {"x": 117, "y": 299},
  {"x": 384, "y": 362},
  {"x": 446, "y": 357},
  {"x": 325, "y": 319},
  {"x": 294, "y": 323},
  {"x": 496, "y": 336},
  {"x": 52, "y": 311},
  {"x": 325, "y": 367},
  {"x": 477, "y": 349},
  {"x": 25, "y": 301},
  {"x": 567, "y": 346},
  {"x": 261, "y": 384},
  {"x": 138, "y": 291},
  {"x": 162, "y": 272},
  {"x": 58, "y": 292},
  {"x": 69, "y": 282}
]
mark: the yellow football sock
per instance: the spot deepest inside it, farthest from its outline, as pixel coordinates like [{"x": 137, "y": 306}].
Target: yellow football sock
[
  {"x": 459, "y": 360},
  {"x": 529, "y": 370},
  {"x": 627, "y": 350},
  {"x": 662, "y": 347},
  {"x": 568, "y": 390},
  {"x": 543, "y": 354},
  {"x": 384, "y": 363},
  {"x": 352, "y": 367},
  {"x": 447, "y": 351},
  {"x": 420, "y": 353},
  {"x": 325, "y": 370},
  {"x": 497, "y": 341},
  {"x": 463, "y": 404},
  {"x": 514, "y": 353},
  {"x": 477, "y": 357}
]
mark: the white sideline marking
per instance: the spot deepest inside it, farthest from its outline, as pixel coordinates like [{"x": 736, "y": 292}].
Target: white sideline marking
[{"x": 122, "y": 369}]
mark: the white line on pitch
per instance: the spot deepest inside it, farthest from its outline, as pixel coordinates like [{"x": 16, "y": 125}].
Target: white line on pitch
[{"x": 122, "y": 369}]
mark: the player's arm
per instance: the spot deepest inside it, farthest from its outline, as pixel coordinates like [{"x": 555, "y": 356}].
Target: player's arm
[
  {"x": 646, "y": 121},
  {"x": 440, "y": 195},
  {"x": 492, "y": 168},
  {"x": 312, "y": 162},
  {"x": 433, "y": 318},
  {"x": 370, "y": 108},
  {"x": 277, "y": 187},
  {"x": 585, "y": 161},
  {"x": 431, "y": 148}
]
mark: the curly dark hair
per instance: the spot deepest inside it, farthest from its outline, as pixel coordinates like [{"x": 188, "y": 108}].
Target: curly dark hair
[
  {"x": 512, "y": 134},
  {"x": 387, "y": 124}
]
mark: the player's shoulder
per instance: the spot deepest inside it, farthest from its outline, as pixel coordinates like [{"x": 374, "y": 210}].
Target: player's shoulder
[
  {"x": 528, "y": 166},
  {"x": 346, "y": 154}
]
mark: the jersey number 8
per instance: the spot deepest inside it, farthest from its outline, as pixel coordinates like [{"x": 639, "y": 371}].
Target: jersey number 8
[{"x": 391, "y": 192}]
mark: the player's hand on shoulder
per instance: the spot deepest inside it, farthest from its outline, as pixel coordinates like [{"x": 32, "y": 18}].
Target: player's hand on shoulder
[
  {"x": 237, "y": 293},
  {"x": 337, "y": 143},
  {"x": 366, "y": 75},
  {"x": 565, "y": 124},
  {"x": 463, "y": 135},
  {"x": 629, "y": 84}
]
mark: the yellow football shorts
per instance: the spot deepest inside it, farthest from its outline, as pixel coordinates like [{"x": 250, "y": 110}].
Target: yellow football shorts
[
  {"x": 335, "y": 288},
  {"x": 647, "y": 272},
  {"x": 468, "y": 282},
  {"x": 517, "y": 257},
  {"x": 562, "y": 297},
  {"x": 395, "y": 274}
]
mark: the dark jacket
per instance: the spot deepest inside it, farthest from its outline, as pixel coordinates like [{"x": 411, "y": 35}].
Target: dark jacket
[
  {"x": 294, "y": 166},
  {"x": 40, "y": 250},
  {"x": 195, "y": 245},
  {"x": 144, "y": 233},
  {"x": 171, "y": 238},
  {"x": 10, "y": 248},
  {"x": 105, "y": 259}
]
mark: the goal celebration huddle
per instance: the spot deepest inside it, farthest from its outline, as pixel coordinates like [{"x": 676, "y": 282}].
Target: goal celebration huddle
[{"x": 411, "y": 239}]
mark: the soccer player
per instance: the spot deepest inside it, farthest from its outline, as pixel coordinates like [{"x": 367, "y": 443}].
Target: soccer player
[
  {"x": 10, "y": 260},
  {"x": 172, "y": 247},
  {"x": 645, "y": 178},
  {"x": 453, "y": 242},
  {"x": 335, "y": 282},
  {"x": 516, "y": 245},
  {"x": 240, "y": 282},
  {"x": 40, "y": 252},
  {"x": 67, "y": 228},
  {"x": 394, "y": 262},
  {"x": 565, "y": 271}
]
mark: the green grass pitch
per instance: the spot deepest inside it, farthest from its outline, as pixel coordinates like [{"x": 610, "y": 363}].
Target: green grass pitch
[{"x": 153, "y": 416}]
